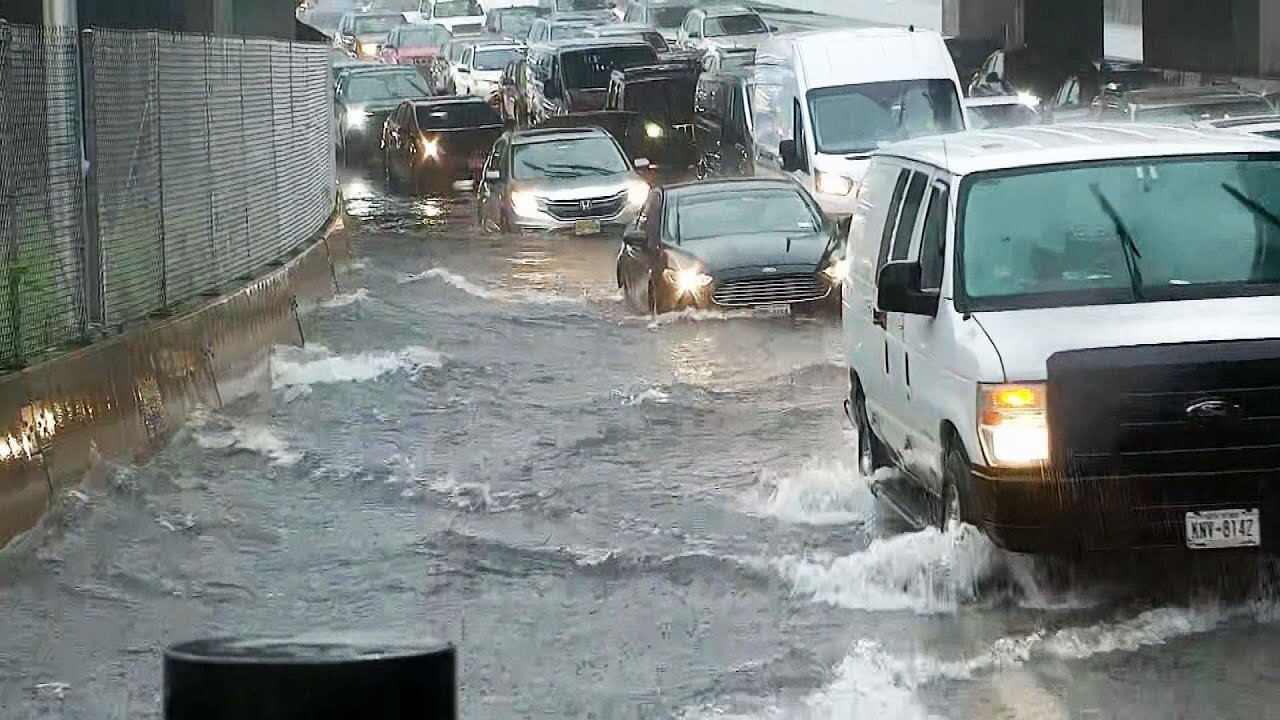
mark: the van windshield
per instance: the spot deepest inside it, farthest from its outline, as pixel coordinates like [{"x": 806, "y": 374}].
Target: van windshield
[
  {"x": 1121, "y": 231},
  {"x": 860, "y": 118}
]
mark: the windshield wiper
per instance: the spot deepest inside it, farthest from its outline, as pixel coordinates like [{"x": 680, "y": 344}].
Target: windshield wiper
[
  {"x": 546, "y": 170},
  {"x": 1253, "y": 205},
  {"x": 1127, "y": 245},
  {"x": 582, "y": 168}
]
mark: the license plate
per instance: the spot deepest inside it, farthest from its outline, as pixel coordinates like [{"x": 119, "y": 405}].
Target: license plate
[
  {"x": 774, "y": 309},
  {"x": 1223, "y": 529},
  {"x": 586, "y": 227}
]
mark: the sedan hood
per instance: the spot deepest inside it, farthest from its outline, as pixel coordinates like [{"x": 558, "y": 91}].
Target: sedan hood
[
  {"x": 591, "y": 186},
  {"x": 587, "y": 100},
  {"x": 803, "y": 252},
  {"x": 730, "y": 42},
  {"x": 376, "y": 107},
  {"x": 1024, "y": 345}
]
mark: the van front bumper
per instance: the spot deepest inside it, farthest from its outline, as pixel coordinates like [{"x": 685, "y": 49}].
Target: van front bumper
[{"x": 1027, "y": 511}]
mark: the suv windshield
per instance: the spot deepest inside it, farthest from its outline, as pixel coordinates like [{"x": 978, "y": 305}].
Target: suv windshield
[
  {"x": 371, "y": 87},
  {"x": 1121, "y": 230},
  {"x": 457, "y": 115},
  {"x": 563, "y": 159},
  {"x": 861, "y": 118},
  {"x": 423, "y": 37},
  {"x": 494, "y": 59},
  {"x": 456, "y": 8},
  {"x": 1192, "y": 113},
  {"x": 375, "y": 24},
  {"x": 591, "y": 69},
  {"x": 744, "y": 213},
  {"x": 669, "y": 16},
  {"x": 750, "y": 24}
]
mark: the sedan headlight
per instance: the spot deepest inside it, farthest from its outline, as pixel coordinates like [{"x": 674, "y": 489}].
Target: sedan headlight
[
  {"x": 1012, "y": 424},
  {"x": 686, "y": 280},
  {"x": 524, "y": 203},
  {"x": 832, "y": 184},
  {"x": 837, "y": 270},
  {"x": 357, "y": 118},
  {"x": 637, "y": 193}
]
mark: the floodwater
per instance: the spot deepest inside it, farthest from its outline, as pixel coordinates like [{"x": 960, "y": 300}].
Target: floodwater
[{"x": 611, "y": 515}]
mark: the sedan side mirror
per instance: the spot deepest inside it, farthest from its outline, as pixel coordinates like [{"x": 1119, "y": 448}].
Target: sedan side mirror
[
  {"x": 899, "y": 290},
  {"x": 493, "y": 176},
  {"x": 787, "y": 152}
]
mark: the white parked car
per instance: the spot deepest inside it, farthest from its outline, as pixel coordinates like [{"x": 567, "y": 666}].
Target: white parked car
[
  {"x": 479, "y": 67},
  {"x": 826, "y": 100},
  {"x": 1071, "y": 339}
]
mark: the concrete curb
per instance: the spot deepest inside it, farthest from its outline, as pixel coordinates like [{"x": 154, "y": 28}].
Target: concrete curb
[{"x": 122, "y": 398}]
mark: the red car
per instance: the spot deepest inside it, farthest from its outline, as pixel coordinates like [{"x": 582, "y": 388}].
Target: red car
[{"x": 414, "y": 44}]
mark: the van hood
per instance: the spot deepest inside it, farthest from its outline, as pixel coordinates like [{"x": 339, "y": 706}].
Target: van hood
[{"x": 1025, "y": 339}]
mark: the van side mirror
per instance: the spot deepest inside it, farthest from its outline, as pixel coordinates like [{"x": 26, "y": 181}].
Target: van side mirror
[
  {"x": 898, "y": 290},
  {"x": 787, "y": 152}
]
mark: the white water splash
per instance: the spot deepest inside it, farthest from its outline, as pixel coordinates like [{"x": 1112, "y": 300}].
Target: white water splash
[
  {"x": 451, "y": 278},
  {"x": 649, "y": 395},
  {"x": 255, "y": 438},
  {"x": 315, "y": 364},
  {"x": 461, "y": 282},
  {"x": 821, "y": 491},
  {"x": 695, "y": 315},
  {"x": 925, "y": 572},
  {"x": 345, "y": 299}
]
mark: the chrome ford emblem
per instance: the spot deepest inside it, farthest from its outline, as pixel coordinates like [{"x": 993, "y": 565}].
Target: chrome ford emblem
[
  {"x": 1213, "y": 409},
  {"x": 768, "y": 269}
]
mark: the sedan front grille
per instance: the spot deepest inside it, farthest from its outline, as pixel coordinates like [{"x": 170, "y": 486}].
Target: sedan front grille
[
  {"x": 587, "y": 208},
  {"x": 769, "y": 289}
]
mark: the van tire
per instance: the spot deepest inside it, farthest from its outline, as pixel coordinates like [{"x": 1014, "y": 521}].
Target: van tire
[
  {"x": 872, "y": 453},
  {"x": 955, "y": 506}
]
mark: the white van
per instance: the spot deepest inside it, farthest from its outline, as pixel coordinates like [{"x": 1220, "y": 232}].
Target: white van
[
  {"x": 825, "y": 100},
  {"x": 1070, "y": 336}
]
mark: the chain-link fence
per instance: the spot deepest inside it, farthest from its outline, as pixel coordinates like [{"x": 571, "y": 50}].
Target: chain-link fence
[{"x": 204, "y": 159}]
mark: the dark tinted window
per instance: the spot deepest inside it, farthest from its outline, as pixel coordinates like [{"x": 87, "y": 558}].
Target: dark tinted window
[
  {"x": 374, "y": 24},
  {"x": 907, "y": 221},
  {"x": 735, "y": 25},
  {"x": 744, "y": 213},
  {"x": 577, "y": 5},
  {"x": 457, "y": 115},
  {"x": 590, "y": 69},
  {"x": 669, "y": 16},
  {"x": 933, "y": 240},
  {"x": 895, "y": 202}
]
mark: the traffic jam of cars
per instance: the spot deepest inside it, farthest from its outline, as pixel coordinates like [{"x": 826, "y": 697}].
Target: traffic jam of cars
[{"x": 1056, "y": 278}]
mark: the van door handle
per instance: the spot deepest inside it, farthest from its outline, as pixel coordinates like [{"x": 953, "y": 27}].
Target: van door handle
[{"x": 879, "y": 317}]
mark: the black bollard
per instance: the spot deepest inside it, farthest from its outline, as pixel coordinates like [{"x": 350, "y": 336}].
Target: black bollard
[{"x": 312, "y": 677}]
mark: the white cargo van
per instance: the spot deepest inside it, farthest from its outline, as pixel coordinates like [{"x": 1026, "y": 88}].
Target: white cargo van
[
  {"x": 824, "y": 101},
  {"x": 1069, "y": 337}
]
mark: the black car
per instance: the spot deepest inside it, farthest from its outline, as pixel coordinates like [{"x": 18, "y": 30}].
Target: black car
[
  {"x": 659, "y": 98},
  {"x": 363, "y": 98},
  {"x": 722, "y": 125},
  {"x": 630, "y": 30},
  {"x": 572, "y": 76},
  {"x": 430, "y": 144},
  {"x": 744, "y": 243}
]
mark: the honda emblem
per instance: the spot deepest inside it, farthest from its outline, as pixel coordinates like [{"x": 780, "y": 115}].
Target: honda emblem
[{"x": 585, "y": 205}]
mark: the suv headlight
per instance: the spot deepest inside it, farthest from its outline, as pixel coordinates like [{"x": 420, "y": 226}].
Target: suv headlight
[
  {"x": 1012, "y": 425},
  {"x": 637, "y": 193},
  {"x": 832, "y": 184},
  {"x": 524, "y": 203}
]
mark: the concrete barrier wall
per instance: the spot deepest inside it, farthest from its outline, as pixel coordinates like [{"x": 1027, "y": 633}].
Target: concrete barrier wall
[{"x": 122, "y": 398}]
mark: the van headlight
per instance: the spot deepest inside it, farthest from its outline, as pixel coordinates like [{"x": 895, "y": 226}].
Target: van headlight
[
  {"x": 832, "y": 184},
  {"x": 1012, "y": 425},
  {"x": 524, "y": 203}
]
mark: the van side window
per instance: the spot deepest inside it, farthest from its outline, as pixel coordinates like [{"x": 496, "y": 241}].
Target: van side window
[
  {"x": 933, "y": 241},
  {"x": 890, "y": 222},
  {"x": 907, "y": 219},
  {"x": 797, "y": 132}
]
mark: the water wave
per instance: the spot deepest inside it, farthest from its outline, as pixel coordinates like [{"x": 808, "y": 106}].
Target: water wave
[
  {"x": 315, "y": 364},
  {"x": 345, "y": 299},
  {"x": 821, "y": 491}
]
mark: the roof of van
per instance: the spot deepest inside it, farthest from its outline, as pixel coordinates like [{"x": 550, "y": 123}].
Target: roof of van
[
  {"x": 1031, "y": 145},
  {"x": 861, "y": 55}
]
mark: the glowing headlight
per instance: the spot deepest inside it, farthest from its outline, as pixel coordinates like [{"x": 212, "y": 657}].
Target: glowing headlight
[
  {"x": 367, "y": 49},
  {"x": 357, "y": 118},
  {"x": 430, "y": 148},
  {"x": 1012, "y": 425},
  {"x": 832, "y": 184},
  {"x": 524, "y": 203},
  {"x": 653, "y": 130},
  {"x": 687, "y": 280},
  {"x": 1029, "y": 100},
  {"x": 838, "y": 270},
  {"x": 637, "y": 193}
]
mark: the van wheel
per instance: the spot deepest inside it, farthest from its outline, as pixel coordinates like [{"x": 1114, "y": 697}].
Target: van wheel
[
  {"x": 954, "y": 508},
  {"x": 871, "y": 451}
]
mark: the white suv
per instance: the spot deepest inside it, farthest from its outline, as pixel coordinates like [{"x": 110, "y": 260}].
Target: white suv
[{"x": 1071, "y": 338}]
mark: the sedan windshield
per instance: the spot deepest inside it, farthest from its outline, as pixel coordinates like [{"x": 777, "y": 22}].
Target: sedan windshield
[
  {"x": 456, "y": 8},
  {"x": 750, "y": 24},
  {"x": 564, "y": 159},
  {"x": 564, "y": 31},
  {"x": 1192, "y": 113},
  {"x": 375, "y": 86},
  {"x": 860, "y": 118},
  {"x": 494, "y": 59},
  {"x": 1121, "y": 231},
  {"x": 424, "y": 37},
  {"x": 591, "y": 69},
  {"x": 1001, "y": 116},
  {"x": 375, "y": 24},
  {"x": 744, "y": 213}
]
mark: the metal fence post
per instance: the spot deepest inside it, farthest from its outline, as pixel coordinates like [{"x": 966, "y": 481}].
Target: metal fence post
[{"x": 93, "y": 279}]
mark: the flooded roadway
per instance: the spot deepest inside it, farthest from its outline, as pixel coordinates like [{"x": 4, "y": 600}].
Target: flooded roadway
[{"x": 612, "y": 516}]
